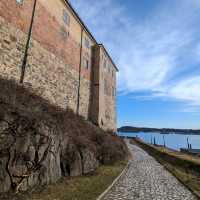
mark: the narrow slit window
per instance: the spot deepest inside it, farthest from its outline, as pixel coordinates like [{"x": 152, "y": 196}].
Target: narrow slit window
[
  {"x": 86, "y": 63},
  {"x": 104, "y": 64},
  {"x": 87, "y": 43},
  {"x": 109, "y": 68},
  {"x": 64, "y": 33},
  {"x": 113, "y": 91},
  {"x": 112, "y": 73},
  {"x": 66, "y": 17}
]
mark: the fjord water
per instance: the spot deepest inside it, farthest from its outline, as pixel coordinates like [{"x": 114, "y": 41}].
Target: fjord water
[{"x": 172, "y": 140}]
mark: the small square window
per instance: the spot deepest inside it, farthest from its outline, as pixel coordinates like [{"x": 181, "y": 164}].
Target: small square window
[
  {"x": 66, "y": 17},
  {"x": 19, "y": 2}
]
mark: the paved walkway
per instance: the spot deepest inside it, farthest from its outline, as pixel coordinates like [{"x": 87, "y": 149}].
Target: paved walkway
[{"x": 146, "y": 179}]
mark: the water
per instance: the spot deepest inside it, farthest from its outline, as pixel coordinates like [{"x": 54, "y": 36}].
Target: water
[{"x": 173, "y": 141}]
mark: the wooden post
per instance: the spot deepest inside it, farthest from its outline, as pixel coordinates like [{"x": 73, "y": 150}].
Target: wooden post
[
  {"x": 188, "y": 143},
  {"x": 164, "y": 141}
]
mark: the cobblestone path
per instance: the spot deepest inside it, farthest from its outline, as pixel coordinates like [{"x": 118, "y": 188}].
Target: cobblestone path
[{"x": 146, "y": 179}]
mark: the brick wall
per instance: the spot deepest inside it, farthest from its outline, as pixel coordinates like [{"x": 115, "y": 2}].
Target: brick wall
[
  {"x": 48, "y": 75},
  {"x": 54, "y": 59}
]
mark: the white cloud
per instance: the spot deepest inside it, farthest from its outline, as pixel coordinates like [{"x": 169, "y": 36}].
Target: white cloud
[
  {"x": 187, "y": 90},
  {"x": 150, "y": 53}
]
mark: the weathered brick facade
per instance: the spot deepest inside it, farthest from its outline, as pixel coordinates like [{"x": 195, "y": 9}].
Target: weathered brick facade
[{"x": 57, "y": 56}]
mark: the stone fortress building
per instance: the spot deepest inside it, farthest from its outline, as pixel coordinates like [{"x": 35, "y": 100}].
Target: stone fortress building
[{"x": 65, "y": 63}]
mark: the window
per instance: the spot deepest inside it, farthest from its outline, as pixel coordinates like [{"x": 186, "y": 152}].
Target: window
[
  {"x": 86, "y": 63},
  {"x": 64, "y": 33},
  {"x": 19, "y": 2},
  {"x": 105, "y": 86},
  {"x": 107, "y": 90},
  {"x": 87, "y": 43},
  {"x": 112, "y": 73},
  {"x": 66, "y": 17},
  {"x": 109, "y": 68},
  {"x": 104, "y": 64},
  {"x": 113, "y": 92}
]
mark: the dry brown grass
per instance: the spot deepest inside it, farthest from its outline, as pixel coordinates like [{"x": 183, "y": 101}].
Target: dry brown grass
[
  {"x": 78, "y": 188},
  {"x": 181, "y": 155}
]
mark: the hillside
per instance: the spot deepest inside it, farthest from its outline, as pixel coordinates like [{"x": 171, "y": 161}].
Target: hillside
[
  {"x": 40, "y": 143},
  {"x": 159, "y": 130}
]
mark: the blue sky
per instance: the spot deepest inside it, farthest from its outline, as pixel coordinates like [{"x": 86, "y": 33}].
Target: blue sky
[{"x": 156, "y": 45}]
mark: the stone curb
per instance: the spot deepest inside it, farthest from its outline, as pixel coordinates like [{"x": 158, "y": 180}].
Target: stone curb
[{"x": 113, "y": 183}]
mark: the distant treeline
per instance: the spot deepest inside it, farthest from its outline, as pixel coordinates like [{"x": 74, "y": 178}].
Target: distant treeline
[{"x": 159, "y": 130}]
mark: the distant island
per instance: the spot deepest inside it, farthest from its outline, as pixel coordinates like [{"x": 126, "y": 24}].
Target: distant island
[{"x": 126, "y": 129}]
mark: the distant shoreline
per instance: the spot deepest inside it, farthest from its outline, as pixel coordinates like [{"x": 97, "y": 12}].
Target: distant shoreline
[{"x": 131, "y": 129}]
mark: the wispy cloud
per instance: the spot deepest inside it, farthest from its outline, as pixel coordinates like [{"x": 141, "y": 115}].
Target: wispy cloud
[
  {"x": 187, "y": 90},
  {"x": 153, "y": 54}
]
